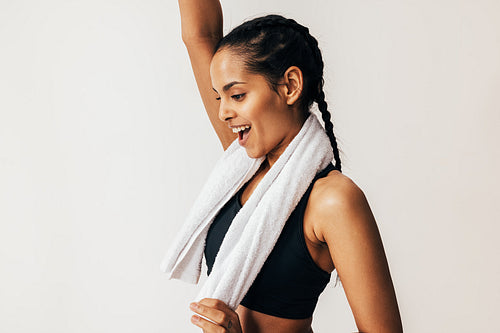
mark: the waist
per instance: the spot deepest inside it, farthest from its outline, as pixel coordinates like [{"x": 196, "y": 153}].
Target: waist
[{"x": 257, "y": 322}]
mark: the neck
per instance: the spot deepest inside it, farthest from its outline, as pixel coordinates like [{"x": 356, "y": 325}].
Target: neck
[{"x": 276, "y": 152}]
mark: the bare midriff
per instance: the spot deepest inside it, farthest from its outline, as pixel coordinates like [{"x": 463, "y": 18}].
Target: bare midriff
[{"x": 258, "y": 322}]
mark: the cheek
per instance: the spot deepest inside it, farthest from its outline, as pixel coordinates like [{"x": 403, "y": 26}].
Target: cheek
[
  {"x": 265, "y": 110},
  {"x": 267, "y": 118}
]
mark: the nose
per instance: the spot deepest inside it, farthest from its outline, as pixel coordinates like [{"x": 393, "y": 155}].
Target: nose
[{"x": 225, "y": 112}]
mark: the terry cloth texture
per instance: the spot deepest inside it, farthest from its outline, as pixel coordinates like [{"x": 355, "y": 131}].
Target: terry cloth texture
[{"x": 257, "y": 226}]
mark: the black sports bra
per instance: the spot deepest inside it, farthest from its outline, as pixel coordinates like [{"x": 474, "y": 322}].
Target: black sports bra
[{"x": 290, "y": 282}]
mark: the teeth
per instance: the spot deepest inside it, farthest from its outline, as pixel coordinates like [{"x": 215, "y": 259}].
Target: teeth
[{"x": 239, "y": 129}]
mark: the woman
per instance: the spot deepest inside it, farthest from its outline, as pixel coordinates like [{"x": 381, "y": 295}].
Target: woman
[{"x": 257, "y": 84}]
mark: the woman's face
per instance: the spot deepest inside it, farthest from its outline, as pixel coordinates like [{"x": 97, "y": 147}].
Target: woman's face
[{"x": 247, "y": 99}]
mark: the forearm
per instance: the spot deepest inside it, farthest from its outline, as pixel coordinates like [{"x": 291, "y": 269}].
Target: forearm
[{"x": 200, "y": 19}]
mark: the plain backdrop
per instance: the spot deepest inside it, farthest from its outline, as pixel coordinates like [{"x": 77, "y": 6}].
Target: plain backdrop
[{"x": 104, "y": 145}]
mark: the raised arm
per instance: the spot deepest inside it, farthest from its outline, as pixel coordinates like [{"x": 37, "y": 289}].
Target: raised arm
[{"x": 201, "y": 24}]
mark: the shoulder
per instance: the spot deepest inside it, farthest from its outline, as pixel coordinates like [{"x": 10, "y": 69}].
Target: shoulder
[
  {"x": 345, "y": 223},
  {"x": 336, "y": 202},
  {"x": 334, "y": 187}
]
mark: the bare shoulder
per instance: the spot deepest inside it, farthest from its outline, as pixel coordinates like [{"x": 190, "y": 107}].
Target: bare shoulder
[
  {"x": 344, "y": 222},
  {"x": 336, "y": 201},
  {"x": 333, "y": 188}
]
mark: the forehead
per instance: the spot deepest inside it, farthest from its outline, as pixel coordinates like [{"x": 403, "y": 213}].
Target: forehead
[{"x": 226, "y": 67}]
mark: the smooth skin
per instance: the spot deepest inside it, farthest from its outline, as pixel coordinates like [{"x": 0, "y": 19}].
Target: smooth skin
[{"x": 339, "y": 227}]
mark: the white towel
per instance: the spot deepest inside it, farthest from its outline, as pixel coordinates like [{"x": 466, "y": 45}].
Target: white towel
[{"x": 257, "y": 226}]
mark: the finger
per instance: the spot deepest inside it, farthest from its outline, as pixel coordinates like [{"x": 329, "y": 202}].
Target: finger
[
  {"x": 215, "y": 303},
  {"x": 207, "y": 326},
  {"x": 220, "y": 305},
  {"x": 215, "y": 314}
]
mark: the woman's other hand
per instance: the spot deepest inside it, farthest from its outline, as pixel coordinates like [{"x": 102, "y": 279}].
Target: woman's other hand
[{"x": 225, "y": 319}]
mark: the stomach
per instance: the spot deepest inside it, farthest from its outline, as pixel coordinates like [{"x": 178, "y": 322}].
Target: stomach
[{"x": 257, "y": 322}]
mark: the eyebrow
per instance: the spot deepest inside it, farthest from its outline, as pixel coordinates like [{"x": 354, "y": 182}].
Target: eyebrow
[{"x": 229, "y": 85}]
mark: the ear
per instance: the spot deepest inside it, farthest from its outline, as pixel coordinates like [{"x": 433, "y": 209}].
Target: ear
[{"x": 292, "y": 84}]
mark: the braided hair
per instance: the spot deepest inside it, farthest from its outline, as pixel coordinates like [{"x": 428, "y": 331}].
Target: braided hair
[{"x": 269, "y": 45}]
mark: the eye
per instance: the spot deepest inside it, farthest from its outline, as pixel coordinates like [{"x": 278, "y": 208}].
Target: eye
[
  {"x": 238, "y": 97},
  {"x": 217, "y": 98}
]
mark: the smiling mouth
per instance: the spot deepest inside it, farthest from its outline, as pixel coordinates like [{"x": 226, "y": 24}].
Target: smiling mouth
[{"x": 243, "y": 135}]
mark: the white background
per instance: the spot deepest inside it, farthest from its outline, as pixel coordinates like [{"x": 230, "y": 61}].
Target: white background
[{"x": 104, "y": 144}]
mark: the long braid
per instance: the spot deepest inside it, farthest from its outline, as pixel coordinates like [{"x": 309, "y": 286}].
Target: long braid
[
  {"x": 320, "y": 96},
  {"x": 325, "y": 114}
]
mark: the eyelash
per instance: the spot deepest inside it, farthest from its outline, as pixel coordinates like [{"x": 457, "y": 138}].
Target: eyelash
[{"x": 241, "y": 95}]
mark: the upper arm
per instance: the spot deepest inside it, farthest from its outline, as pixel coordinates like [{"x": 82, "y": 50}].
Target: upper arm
[
  {"x": 345, "y": 222},
  {"x": 201, "y": 51}
]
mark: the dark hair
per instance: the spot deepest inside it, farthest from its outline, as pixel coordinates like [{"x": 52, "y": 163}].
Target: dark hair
[{"x": 269, "y": 45}]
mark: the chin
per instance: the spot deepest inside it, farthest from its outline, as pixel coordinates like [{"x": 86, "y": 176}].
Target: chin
[{"x": 253, "y": 154}]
